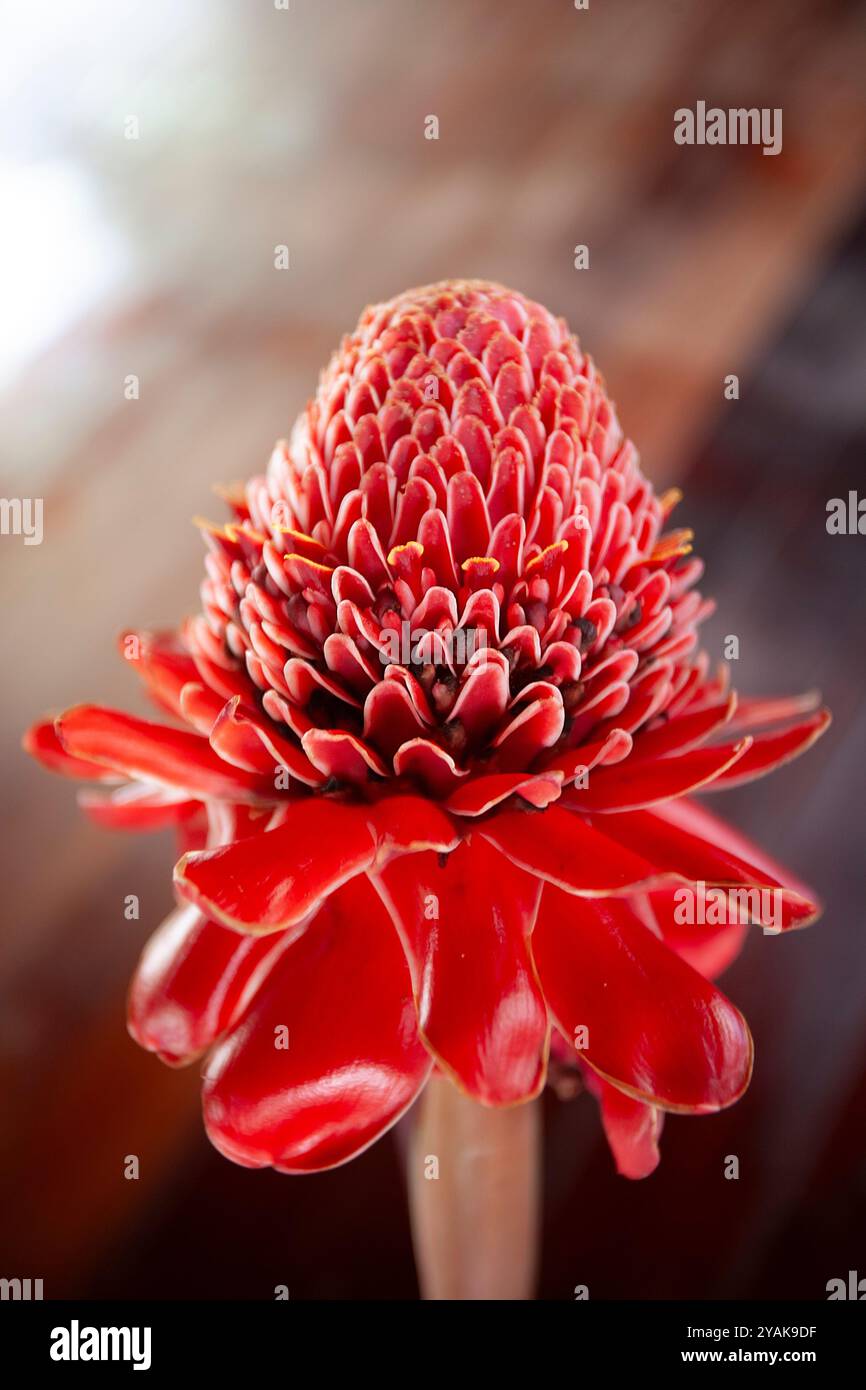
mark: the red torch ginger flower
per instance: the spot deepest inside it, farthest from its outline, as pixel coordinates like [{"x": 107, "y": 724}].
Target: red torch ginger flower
[{"x": 436, "y": 731}]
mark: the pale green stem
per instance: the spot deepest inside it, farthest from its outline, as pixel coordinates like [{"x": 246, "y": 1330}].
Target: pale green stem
[{"x": 474, "y": 1195}]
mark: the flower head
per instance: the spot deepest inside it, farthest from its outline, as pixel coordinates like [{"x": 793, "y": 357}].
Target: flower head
[{"x": 436, "y": 732}]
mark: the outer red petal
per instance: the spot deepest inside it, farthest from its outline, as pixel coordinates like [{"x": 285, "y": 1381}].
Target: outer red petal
[
  {"x": 769, "y": 751},
  {"x": 685, "y": 732},
  {"x": 163, "y": 663},
  {"x": 632, "y": 1130},
  {"x": 656, "y": 1028},
  {"x": 753, "y": 711},
  {"x": 193, "y": 980},
  {"x": 635, "y": 783},
  {"x": 42, "y": 743},
  {"x": 681, "y": 836},
  {"x": 464, "y": 922},
  {"x": 354, "y": 1061},
  {"x": 136, "y": 806},
  {"x": 273, "y": 880},
  {"x": 406, "y": 824},
  {"x": 566, "y": 850},
  {"x": 707, "y": 949},
  {"x": 154, "y": 753}
]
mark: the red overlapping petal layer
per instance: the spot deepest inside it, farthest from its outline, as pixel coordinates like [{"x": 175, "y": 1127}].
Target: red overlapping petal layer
[
  {"x": 327, "y": 1056},
  {"x": 655, "y": 1027},
  {"x": 464, "y": 922}
]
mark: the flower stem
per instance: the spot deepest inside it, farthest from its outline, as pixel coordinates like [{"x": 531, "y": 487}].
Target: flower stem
[{"x": 475, "y": 1210}]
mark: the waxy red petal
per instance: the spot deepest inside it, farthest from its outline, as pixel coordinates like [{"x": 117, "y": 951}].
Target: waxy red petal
[
  {"x": 685, "y": 732},
  {"x": 243, "y": 737},
  {"x": 154, "y": 753},
  {"x": 353, "y": 1062},
  {"x": 683, "y": 838},
  {"x": 136, "y": 806},
  {"x": 390, "y": 717},
  {"x": 406, "y": 824},
  {"x": 200, "y": 706},
  {"x": 656, "y": 1028},
  {"x": 611, "y": 748},
  {"x": 163, "y": 663},
  {"x": 464, "y": 922},
  {"x": 632, "y": 1129},
  {"x": 233, "y": 739},
  {"x": 534, "y": 728},
  {"x": 482, "y": 794},
  {"x": 342, "y": 756},
  {"x": 271, "y": 881},
  {"x": 482, "y": 700},
  {"x": 769, "y": 751},
  {"x": 708, "y": 949},
  {"x": 694, "y": 818},
  {"x": 424, "y": 762},
  {"x": 192, "y": 982},
  {"x": 564, "y": 849},
  {"x": 42, "y": 743},
  {"x": 755, "y": 711},
  {"x": 633, "y": 784},
  {"x": 509, "y": 507}
]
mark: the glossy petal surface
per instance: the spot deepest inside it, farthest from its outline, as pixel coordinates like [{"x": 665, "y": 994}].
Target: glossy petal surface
[
  {"x": 191, "y": 983},
  {"x": 272, "y": 881},
  {"x": 464, "y": 921},
  {"x": 353, "y": 1060},
  {"x": 656, "y": 1028},
  {"x": 120, "y": 743}
]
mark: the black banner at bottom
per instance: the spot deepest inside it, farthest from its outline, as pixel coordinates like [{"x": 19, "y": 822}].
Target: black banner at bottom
[{"x": 158, "y": 1339}]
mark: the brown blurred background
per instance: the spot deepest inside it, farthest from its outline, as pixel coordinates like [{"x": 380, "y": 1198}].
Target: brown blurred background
[{"x": 155, "y": 257}]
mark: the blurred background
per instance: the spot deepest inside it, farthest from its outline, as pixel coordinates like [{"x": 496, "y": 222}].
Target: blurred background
[{"x": 154, "y": 256}]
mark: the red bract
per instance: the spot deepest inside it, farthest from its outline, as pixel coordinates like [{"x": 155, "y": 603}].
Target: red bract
[{"x": 441, "y": 718}]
